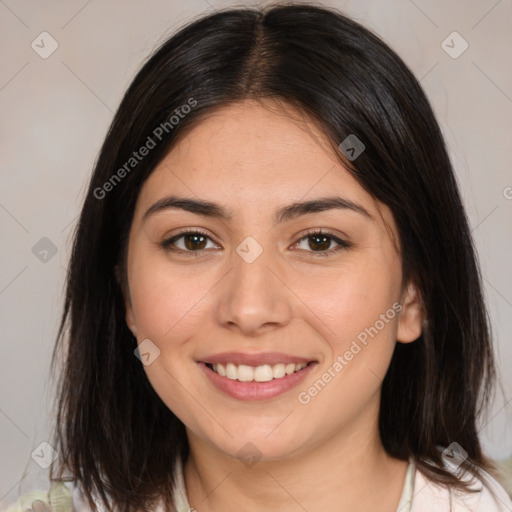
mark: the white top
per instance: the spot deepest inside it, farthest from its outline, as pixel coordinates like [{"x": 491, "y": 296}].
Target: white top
[
  {"x": 419, "y": 494},
  {"x": 181, "y": 501}
]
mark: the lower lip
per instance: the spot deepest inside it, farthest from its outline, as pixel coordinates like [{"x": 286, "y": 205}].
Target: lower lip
[{"x": 256, "y": 390}]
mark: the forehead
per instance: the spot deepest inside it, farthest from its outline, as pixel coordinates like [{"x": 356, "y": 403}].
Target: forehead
[
  {"x": 258, "y": 131},
  {"x": 253, "y": 156}
]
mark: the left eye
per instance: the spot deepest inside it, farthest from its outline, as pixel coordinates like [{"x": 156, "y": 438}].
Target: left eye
[{"x": 321, "y": 242}]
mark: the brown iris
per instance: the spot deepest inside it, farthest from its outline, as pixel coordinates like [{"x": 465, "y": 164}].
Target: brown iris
[
  {"x": 194, "y": 241},
  {"x": 320, "y": 242}
]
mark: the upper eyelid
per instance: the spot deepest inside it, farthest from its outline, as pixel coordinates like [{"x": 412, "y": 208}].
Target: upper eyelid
[{"x": 189, "y": 231}]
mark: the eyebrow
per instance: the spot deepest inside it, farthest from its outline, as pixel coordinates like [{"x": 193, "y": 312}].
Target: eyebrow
[{"x": 292, "y": 211}]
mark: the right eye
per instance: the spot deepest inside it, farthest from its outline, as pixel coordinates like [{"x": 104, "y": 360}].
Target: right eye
[{"x": 192, "y": 241}]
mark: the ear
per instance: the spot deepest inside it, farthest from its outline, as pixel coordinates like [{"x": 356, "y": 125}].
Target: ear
[
  {"x": 411, "y": 316},
  {"x": 129, "y": 316},
  {"x": 130, "y": 319}
]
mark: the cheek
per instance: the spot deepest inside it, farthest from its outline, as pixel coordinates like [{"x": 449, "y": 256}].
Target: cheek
[
  {"x": 164, "y": 301},
  {"x": 167, "y": 309},
  {"x": 354, "y": 300},
  {"x": 361, "y": 311}
]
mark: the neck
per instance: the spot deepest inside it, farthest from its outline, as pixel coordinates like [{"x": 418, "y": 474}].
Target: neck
[{"x": 349, "y": 471}]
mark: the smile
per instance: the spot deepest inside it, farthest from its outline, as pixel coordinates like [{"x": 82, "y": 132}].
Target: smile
[
  {"x": 263, "y": 373},
  {"x": 250, "y": 383}
]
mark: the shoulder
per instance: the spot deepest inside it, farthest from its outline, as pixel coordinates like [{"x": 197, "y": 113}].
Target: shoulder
[
  {"x": 59, "y": 497},
  {"x": 66, "y": 497},
  {"x": 485, "y": 494}
]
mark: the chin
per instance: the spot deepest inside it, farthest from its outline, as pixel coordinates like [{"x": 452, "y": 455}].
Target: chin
[{"x": 259, "y": 444}]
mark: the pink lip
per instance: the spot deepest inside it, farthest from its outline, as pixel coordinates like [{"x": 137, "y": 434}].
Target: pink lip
[
  {"x": 256, "y": 390},
  {"x": 237, "y": 358}
]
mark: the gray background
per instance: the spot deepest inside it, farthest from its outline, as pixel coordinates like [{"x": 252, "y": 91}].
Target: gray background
[{"x": 55, "y": 113}]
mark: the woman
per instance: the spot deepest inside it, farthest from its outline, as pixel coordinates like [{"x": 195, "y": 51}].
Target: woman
[{"x": 273, "y": 298}]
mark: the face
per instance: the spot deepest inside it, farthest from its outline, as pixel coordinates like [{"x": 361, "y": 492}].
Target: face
[{"x": 268, "y": 283}]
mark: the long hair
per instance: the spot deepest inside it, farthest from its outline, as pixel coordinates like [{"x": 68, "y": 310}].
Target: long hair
[{"x": 113, "y": 432}]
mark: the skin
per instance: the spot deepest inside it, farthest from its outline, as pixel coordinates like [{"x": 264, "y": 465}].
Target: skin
[{"x": 253, "y": 158}]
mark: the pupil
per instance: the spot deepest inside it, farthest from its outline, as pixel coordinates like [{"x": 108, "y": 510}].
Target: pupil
[
  {"x": 324, "y": 244},
  {"x": 196, "y": 243}
]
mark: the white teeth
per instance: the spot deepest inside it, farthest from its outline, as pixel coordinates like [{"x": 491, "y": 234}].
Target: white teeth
[
  {"x": 264, "y": 373},
  {"x": 245, "y": 373},
  {"x": 278, "y": 371},
  {"x": 231, "y": 371}
]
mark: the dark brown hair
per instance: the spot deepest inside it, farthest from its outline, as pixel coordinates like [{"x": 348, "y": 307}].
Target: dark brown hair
[{"x": 114, "y": 433}]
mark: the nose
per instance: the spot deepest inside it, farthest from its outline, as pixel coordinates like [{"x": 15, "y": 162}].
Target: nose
[{"x": 253, "y": 298}]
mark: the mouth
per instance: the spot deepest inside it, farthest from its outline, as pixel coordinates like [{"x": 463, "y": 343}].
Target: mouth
[
  {"x": 255, "y": 377},
  {"x": 262, "y": 373}
]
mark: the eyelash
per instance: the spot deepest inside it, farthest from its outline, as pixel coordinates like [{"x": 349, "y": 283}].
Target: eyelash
[{"x": 342, "y": 244}]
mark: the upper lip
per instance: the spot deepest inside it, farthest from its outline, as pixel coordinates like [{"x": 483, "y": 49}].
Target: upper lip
[{"x": 270, "y": 358}]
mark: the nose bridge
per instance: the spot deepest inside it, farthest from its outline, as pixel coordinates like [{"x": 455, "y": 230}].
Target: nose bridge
[
  {"x": 251, "y": 263},
  {"x": 252, "y": 296}
]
